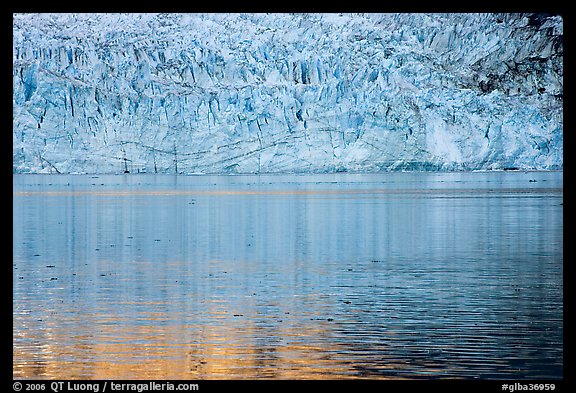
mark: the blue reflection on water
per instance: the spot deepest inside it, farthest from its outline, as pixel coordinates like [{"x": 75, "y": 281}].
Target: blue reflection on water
[{"x": 401, "y": 275}]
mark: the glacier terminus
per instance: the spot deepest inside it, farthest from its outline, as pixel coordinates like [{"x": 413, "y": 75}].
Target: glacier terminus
[{"x": 286, "y": 93}]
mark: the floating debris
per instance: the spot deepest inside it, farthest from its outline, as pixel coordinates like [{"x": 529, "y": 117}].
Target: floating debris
[{"x": 434, "y": 352}]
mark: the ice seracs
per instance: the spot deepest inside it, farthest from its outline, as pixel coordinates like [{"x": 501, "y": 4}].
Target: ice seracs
[{"x": 254, "y": 93}]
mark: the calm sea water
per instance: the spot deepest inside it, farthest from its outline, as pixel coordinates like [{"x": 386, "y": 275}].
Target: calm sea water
[{"x": 396, "y": 275}]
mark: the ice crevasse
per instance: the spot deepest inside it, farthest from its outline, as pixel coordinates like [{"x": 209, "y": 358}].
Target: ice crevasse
[{"x": 267, "y": 93}]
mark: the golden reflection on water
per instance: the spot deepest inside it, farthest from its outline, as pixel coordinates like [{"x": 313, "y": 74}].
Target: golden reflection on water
[{"x": 221, "y": 351}]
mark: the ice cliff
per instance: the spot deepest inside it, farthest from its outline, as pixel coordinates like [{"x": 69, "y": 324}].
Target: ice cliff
[{"x": 251, "y": 93}]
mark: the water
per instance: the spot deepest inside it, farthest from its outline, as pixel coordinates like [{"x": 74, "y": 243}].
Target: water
[{"x": 396, "y": 275}]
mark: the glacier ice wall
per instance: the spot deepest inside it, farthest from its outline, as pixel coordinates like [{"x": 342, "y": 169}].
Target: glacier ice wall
[{"x": 251, "y": 93}]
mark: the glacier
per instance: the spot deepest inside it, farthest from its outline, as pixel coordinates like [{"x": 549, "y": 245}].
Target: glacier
[{"x": 286, "y": 93}]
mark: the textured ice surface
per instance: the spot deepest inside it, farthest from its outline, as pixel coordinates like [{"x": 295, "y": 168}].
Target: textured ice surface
[{"x": 224, "y": 93}]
